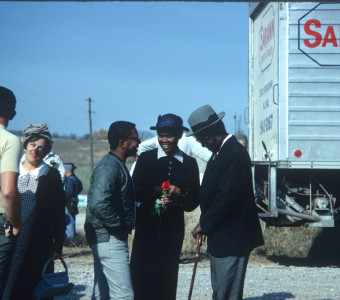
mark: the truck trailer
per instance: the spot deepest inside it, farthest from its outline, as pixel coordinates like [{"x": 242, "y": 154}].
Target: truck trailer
[{"x": 294, "y": 111}]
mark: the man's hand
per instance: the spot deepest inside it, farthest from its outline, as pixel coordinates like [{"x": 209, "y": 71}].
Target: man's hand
[
  {"x": 16, "y": 230},
  {"x": 197, "y": 234}
]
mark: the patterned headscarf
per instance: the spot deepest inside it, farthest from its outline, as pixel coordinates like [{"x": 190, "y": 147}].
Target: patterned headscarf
[{"x": 37, "y": 131}]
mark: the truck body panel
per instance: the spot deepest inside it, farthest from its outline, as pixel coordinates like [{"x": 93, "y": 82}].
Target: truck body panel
[{"x": 294, "y": 97}]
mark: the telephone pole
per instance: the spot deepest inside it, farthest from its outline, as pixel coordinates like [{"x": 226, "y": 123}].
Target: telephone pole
[{"x": 91, "y": 140}]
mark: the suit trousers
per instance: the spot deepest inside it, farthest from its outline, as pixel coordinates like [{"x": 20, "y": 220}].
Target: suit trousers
[
  {"x": 227, "y": 277},
  {"x": 112, "y": 278}
]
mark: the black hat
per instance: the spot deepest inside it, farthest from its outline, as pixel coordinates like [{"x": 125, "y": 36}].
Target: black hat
[
  {"x": 7, "y": 103},
  {"x": 202, "y": 118},
  {"x": 169, "y": 121}
]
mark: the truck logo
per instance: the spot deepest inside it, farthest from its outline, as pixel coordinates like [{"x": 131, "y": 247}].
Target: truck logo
[
  {"x": 267, "y": 38},
  {"x": 319, "y": 34}
]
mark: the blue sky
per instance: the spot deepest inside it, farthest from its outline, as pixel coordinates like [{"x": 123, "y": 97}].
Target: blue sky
[{"x": 136, "y": 60}]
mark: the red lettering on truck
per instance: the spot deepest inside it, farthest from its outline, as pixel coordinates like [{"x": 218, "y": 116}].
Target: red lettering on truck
[
  {"x": 329, "y": 37},
  {"x": 267, "y": 34}
]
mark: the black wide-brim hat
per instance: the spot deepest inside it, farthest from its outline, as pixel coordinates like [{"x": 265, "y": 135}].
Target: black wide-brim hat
[
  {"x": 202, "y": 118},
  {"x": 169, "y": 121}
]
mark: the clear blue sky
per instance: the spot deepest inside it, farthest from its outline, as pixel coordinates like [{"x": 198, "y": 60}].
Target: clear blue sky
[{"x": 135, "y": 60}]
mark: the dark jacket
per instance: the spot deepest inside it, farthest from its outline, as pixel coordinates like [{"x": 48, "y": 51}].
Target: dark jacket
[
  {"x": 111, "y": 200},
  {"x": 73, "y": 186},
  {"x": 229, "y": 215},
  {"x": 47, "y": 234}
]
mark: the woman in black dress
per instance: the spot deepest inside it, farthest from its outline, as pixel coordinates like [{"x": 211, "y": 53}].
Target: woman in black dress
[
  {"x": 42, "y": 215},
  {"x": 160, "y": 224}
]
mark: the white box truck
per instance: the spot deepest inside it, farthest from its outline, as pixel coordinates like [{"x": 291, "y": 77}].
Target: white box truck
[{"x": 294, "y": 111}]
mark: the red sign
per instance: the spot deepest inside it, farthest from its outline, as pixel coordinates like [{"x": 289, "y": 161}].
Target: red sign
[
  {"x": 319, "y": 34},
  {"x": 267, "y": 38}
]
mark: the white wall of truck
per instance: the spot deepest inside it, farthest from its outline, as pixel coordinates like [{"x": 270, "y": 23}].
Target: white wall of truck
[{"x": 294, "y": 87}]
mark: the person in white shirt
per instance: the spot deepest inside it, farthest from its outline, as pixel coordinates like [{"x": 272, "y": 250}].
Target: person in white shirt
[
  {"x": 186, "y": 143},
  {"x": 54, "y": 161}
]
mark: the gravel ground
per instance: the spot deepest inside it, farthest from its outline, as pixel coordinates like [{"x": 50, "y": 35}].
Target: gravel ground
[{"x": 265, "y": 280}]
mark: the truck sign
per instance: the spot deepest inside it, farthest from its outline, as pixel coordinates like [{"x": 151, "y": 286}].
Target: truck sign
[
  {"x": 267, "y": 40},
  {"x": 319, "y": 34}
]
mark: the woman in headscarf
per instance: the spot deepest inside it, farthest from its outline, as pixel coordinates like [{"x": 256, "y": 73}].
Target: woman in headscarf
[
  {"x": 167, "y": 184},
  {"x": 42, "y": 215}
]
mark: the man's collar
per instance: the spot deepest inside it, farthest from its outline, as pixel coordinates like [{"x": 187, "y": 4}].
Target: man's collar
[
  {"x": 224, "y": 141},
  {"x": 178, "y": 155}
]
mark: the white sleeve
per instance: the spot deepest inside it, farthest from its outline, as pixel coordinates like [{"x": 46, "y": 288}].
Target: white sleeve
[
  {"x": 148, "y": 145},
  {"x": 197, "y": 149}
]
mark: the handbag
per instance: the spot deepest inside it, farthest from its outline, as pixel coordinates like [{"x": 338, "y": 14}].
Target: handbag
[{"x": 53, "y": 284}]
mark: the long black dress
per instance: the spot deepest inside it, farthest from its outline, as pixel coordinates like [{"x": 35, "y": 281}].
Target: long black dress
[
  {"x": 158, "y": 241},
  {"x": 47, "y": 235}
]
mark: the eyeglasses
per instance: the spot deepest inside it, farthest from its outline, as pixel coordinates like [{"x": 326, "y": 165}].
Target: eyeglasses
[{"x": 135, "y": 139}]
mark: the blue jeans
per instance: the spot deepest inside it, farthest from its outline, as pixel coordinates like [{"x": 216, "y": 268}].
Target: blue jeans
[
  {"x": 70, "y": 225},
  {"x": 112, "y": 279},
  {"x": 227, "y": 277}
]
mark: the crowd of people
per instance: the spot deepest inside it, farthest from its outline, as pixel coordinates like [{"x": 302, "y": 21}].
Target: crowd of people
[{"x": 38, "y": 206}]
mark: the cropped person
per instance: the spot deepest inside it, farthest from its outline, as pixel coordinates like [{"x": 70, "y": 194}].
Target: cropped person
[
  {"x": 110, "y": 215},
  {"x": 228, "y": 213},
  {"x": 10, "y": 149},
  {"x": 42, "y": 215},
  {"x": 160, "y": 218},
  {"x": 55, "y": 161},
  {"x": 73, "y": 186}
]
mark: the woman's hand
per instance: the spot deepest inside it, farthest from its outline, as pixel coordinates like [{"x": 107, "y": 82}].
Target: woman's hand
[
  {"x": 174, "y": 193},
  {"x": 175, "y": 190}
]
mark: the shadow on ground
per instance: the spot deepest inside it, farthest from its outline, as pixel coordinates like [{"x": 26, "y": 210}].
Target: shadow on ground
[
  {"x": 324, "y": 251},
  {"x": 276, "y": 296}
]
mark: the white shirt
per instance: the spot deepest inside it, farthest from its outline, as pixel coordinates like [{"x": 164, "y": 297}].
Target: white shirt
[{"x": 187, "y": 144}]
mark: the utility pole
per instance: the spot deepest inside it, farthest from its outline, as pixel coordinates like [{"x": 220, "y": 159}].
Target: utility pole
[
  {"x": 91, "y": 140},
  {"x": 235, "y": 122}
]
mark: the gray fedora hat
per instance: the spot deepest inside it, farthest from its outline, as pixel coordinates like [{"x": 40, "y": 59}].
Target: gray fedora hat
[{"x": 202, "y": 118}]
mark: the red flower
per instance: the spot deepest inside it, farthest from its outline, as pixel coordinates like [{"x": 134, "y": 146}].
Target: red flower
[{"x": 166, "y": 185}]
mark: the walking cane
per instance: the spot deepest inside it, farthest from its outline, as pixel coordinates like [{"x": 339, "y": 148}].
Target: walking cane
[{"x": 199, "y": 241}]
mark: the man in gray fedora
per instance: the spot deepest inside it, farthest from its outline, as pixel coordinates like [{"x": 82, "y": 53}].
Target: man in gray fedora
[{"x": 228, "y": 213}]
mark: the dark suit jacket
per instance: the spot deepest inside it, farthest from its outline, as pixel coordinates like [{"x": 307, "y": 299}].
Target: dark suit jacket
[{"x": 229, "y": 215}]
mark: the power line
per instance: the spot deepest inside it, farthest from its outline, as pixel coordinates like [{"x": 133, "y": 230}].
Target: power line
[
  {"x": 38, "y": 82},
  {"x": 40, "y": 96}
]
